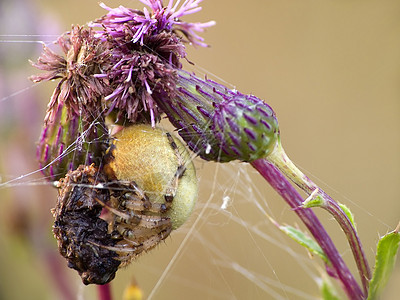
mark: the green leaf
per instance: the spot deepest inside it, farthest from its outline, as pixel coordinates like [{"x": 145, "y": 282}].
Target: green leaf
[
  {"x": 317, "y": 201},
  {"x": 328, "y": 291},
  {"x": 384, "y": 264},
  {"x": 348, "y": 213},
  {"x": 304, "y": 240}
]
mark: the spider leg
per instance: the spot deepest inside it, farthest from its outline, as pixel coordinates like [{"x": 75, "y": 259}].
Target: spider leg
[
  {"x": 140, "y": 239},
  {"x": 144, "y": 222},
  {"x": 173, "y": 185},
  {"x": 113, "y": 210},
  {"x": 128, "y": 192},
  {"x": 132, "y": 203},
  {"x": 155, "y": 239},
  {"x": 133, "y": 198}
]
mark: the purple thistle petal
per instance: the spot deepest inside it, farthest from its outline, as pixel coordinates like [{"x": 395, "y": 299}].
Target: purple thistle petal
[
  {"x": 114, "y": 93},
  {"x": 144, "y": 23}
]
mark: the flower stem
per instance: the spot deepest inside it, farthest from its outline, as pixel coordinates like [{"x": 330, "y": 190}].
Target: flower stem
[
  {"x": 281, "y": 185},
  {"x": 283, "y": 163},
  {"x": 104, "y": 291}
]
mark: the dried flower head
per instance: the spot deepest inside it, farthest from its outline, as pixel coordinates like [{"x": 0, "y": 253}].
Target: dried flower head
[
  {"x": 82, "y": 236},
  {"x": 79, "y": 89}
]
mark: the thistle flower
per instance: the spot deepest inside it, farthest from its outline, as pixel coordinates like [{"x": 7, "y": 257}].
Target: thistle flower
[
  {"x": 122, "y": 23},
  {"x": 220, "y": 124},
  {"x": 146, "y": 49}
]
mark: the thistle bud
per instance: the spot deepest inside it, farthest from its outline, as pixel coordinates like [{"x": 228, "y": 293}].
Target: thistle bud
[
  {"x": 67, "y": 142},
  {"x": 220, "y": 124}
]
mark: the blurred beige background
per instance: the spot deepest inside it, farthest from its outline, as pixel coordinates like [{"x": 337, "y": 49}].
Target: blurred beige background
[{"x": 330, "y": 70}]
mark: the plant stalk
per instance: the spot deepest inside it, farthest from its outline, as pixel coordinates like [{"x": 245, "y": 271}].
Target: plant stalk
[
  {"x": 281, "y": 185},
  {"x": 283, "y": 163},
  {"x": 104, "y": 291}
]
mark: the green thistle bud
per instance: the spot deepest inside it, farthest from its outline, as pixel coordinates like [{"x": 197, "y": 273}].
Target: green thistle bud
[{"x": 218, "y": 123}]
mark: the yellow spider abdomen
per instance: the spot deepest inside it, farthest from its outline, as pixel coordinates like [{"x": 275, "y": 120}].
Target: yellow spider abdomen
[{"x": 151, "y": 157}]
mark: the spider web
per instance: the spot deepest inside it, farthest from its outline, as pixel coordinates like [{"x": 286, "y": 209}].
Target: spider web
[{"x": 228, "y": 249}]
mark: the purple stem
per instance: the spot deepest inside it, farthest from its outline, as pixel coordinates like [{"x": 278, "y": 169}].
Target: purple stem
[
  {"x": 283, "y": 163},
  {"x": 58, "y": 275},
  {"x": 281, "y": 185},
  {"x": 352, "y": 237},
  {"x": 104, "y": 291}
]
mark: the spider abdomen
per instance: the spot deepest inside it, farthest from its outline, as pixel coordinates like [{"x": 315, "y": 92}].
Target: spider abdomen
[{"x": 160, "y": 165}]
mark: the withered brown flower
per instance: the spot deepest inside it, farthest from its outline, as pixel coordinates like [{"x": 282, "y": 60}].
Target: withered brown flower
[
  {"x": 79, "y": 89},
  {"x": 82, "y": 236}
]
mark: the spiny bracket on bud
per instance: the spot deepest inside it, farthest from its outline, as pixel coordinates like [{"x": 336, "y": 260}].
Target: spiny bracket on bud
[{"x": 220, "y": 124}]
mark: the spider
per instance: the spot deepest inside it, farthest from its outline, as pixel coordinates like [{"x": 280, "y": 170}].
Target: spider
[
  {"x": 106, "y": 217},
  {"x": 157, "y": 188}
]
